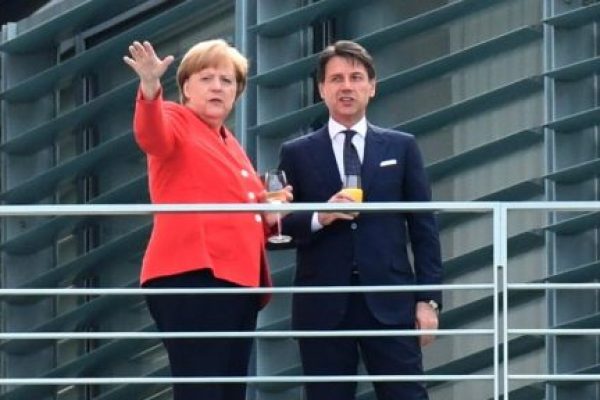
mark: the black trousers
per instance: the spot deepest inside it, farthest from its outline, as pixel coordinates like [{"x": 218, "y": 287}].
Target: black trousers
[
  {"x": 204, "y": 312},
  {"x": 381, "y": 356}
]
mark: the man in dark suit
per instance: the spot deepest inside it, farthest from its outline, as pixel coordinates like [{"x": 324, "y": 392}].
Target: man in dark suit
[{"x": 338, "y": 248}]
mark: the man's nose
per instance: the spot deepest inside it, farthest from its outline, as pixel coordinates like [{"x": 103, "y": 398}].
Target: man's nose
[{"x": 346, "y": 83}]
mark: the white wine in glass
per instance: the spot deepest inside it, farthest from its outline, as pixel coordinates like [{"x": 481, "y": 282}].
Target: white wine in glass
[{"x": 275, "y": 182}]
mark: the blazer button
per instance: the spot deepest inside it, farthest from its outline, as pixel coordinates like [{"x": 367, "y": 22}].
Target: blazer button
[
  {"x": 244, "y": 173},
  {"x": 353, "y": 226},
  {"x": 258, "y": 218},
  {"x": 251, "y": 196}
]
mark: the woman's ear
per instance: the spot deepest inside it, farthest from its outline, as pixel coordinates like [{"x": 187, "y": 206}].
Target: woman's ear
[{"x": 184, "y": 90}]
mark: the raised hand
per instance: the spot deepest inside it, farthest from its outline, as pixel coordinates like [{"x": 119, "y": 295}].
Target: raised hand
[{"x": 148, "y": 66}]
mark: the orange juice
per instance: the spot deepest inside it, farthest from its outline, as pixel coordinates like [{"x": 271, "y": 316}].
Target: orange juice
[{"x": 355, "y": 193}]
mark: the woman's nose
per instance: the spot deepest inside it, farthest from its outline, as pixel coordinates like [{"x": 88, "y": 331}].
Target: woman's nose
[{"x": 216, "y": 84}]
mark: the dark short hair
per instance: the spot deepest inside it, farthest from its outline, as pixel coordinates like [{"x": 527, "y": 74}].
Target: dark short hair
[{"x": 349, "y": 50}]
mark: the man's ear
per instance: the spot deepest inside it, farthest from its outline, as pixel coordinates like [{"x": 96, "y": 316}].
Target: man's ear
[{"x": 321, "y": 90}]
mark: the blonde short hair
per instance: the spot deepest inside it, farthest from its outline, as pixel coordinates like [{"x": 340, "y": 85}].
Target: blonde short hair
[{"x": 212, "y": 53}]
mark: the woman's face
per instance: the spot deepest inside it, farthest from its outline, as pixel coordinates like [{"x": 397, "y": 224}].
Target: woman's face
[{"x": 211, "y": 92}]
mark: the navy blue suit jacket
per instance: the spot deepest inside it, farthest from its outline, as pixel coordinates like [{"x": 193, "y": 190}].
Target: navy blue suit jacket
[{"x": 374, "y": 243}]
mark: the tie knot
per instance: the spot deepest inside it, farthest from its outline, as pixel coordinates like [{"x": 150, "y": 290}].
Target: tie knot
[{"x": 349, "y": 133}]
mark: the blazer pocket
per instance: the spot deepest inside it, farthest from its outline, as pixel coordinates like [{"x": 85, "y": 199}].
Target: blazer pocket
[
  {"x": 305, "y": 268},
  {"x": 402, "y": 267},
  {"x": 305, "y": 275},
  {"x": 390, "y": 175}
]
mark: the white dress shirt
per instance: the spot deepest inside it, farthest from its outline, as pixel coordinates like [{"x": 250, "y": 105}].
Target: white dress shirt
[{"x": 337, "y": 141}]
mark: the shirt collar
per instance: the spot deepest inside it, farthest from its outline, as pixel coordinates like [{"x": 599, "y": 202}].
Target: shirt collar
[{"x": 335, "y": 127}]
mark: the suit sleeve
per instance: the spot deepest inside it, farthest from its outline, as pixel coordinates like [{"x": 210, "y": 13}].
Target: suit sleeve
[
  {"x": 152, "y": 128},
  {"x": 422, "y": 226},
  {"x": 296, "y": 224}
]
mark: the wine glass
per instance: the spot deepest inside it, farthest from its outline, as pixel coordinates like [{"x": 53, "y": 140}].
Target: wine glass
[{"x": 275, "y": 181}]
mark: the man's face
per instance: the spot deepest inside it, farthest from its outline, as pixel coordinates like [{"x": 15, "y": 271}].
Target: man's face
[{"x": 346, "y": 90}]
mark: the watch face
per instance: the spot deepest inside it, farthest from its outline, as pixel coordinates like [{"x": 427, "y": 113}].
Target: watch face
[{"x": 434, "y": 304}]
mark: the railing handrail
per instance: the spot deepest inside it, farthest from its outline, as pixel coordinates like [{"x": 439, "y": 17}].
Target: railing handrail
[
  {"x": 140, "y": 209},
  {"x": 246, "y": 290},
  {"x": 240, "y": 379},
  {"x": 499, "y": 211},
  {"x": 242, "y": 334}
]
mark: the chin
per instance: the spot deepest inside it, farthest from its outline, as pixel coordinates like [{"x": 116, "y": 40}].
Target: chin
[{"x": 217, "y": 114}]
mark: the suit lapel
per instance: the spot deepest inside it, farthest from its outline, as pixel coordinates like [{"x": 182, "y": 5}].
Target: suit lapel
[
  {"x": 375, "y": 150},
  {"x": 323, "y": 159}
]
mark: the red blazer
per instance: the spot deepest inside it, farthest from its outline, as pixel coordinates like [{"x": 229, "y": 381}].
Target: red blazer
[{"x": 188, "y": 162}]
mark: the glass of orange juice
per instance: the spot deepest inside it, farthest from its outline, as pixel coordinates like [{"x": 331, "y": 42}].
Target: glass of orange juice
[{"x": 353, "y": 188}]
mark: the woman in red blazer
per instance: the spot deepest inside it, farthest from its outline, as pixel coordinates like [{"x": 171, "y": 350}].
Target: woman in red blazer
[{"x": 193, "y": 158}]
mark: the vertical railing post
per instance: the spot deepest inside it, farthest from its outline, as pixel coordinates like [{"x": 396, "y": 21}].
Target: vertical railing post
[
  {"x": 504, "y": 269},
  {"x": 496, "y": 262},
  {"x": 500, "y": 227},
  {"x": 500, "y": 262}
]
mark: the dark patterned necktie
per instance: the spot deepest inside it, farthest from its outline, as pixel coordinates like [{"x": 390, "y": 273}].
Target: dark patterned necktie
[{"x": 351, "y": 159}]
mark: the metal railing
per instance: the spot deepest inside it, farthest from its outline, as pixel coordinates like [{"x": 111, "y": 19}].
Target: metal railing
[{"x": 500, "y": 331}]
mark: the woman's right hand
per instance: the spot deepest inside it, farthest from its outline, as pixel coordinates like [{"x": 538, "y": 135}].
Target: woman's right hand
[
  {"x": 272, "y": 218},
  {"x": 148, "y": 66}
]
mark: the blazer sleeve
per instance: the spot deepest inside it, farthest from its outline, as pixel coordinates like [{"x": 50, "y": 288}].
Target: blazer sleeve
[
  {"x": 296, "y": 224},
  {"x": 153, "y": 129},
  {"x": 422, "y": 226}
]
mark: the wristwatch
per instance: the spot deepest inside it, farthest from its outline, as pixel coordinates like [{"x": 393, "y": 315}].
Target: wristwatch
[{"x": 434, "y": 305}]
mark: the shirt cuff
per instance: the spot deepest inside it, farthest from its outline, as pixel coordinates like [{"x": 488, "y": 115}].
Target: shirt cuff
[{"x": 314, "y": 223}]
